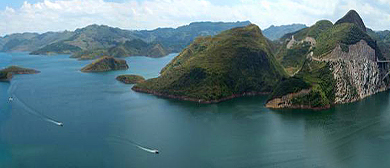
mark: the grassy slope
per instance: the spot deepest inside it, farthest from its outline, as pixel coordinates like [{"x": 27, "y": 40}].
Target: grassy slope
[
  {"x": 318, "y": 74},
  {"x": 236, "y": 61},
  {"x": 130, "y": 79},
  {"x": 292, "y": 59},
  {"x": 344, "y": 34}
]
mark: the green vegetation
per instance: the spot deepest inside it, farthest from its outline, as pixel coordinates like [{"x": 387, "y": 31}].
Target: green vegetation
[
  {"x": 314, "y": 75},
  {"x": 320, "y": 77},
  {"x": 352, "y": 17},
  {"x": 99, "y": 37},
  {"x": 19, "y": 70},
  {"x": 287, "y": 86},
  {"x": 312, "y": 31},
  {"x": 292, "y": 59},
  {"x": 56, "y": 48},
  {"x": 7, "y": 73},
  {"x": 212, "y": 68},
  {"x": 344, "y": 34},
  {"x": 105, "y": 64},
  {"x": 130, "y": 79},
  {"x": 383, "y": 41},
  {"x": 135, "y": 47}
]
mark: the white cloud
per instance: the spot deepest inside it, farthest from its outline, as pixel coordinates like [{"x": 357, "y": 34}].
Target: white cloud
[{"x": 60, "y": 15}]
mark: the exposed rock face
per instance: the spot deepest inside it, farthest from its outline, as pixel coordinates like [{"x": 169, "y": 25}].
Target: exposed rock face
[
  {"x": 358, "y": 51},
  {"x": 310, "y": 40},
  {"x": 106, "y": 64},
  {"x": 357, "y": 73}
]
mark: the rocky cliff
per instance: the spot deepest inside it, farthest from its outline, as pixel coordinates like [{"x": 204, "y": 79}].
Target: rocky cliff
[
  {"x": 356, "y": 74},
  {"x": 343, "y": 65}
]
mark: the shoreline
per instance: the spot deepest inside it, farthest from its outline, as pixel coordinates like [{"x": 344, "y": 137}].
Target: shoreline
[{"x": 201, "y": 101}]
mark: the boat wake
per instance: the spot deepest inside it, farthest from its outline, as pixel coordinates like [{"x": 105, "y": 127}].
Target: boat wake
[
  {"x": 155, "y": 151},
  {"x": 30, "y": 110}
]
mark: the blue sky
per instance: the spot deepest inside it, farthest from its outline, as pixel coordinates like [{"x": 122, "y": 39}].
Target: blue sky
[{"x": 58, "y": 15}]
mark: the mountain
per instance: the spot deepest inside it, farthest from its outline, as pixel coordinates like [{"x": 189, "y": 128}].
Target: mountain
[
  {"x": 100, "y": 37},
  {"x": 135, "y": 47},
  {"x": 276, "y": 32},
  {"x": 339, "y": 67},
  {"x": 106, "y": 64},
  {"x": 30, "y": 41},
  {"x": 383, "y": 41},
  {"x": 352, "y": 17},
  {"x": 295, "y": 46},
  {"x": 233, "y": 63}
]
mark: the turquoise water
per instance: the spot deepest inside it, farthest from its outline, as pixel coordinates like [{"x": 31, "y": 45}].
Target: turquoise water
[{"x": 95, "y": 109}]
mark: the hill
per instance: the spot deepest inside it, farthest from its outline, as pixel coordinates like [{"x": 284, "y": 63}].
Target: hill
[
  {"x": 100, "y": 37},
  {"x": 276, "y": 32},
  {"x": 233, "y": 63},
  {"x": 106, "y": 64},
  {"x": 7, "y": 73},
  {"x": 340, "y": 68},
  {"x": 134, "y": 47},
  {"x": 297, "y": 45}
]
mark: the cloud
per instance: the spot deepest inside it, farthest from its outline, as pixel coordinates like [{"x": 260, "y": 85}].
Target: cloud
[{"x": 61, "y": 15}]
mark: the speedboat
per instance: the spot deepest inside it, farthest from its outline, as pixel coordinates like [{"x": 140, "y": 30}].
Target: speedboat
[
  {"x": 10, "y": 99},
  {"x": 156, "y": 151},
  {"x": 60, "y": 124}
]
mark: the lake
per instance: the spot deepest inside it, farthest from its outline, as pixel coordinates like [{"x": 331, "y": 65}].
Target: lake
[{"x": 98, "y": 112}]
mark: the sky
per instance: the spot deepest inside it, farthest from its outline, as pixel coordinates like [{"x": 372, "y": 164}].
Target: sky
[{"x": 40, "y": 16}]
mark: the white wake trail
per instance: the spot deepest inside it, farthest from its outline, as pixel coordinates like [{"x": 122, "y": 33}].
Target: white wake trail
[
  {"x": 33, "y": 112},
  {"x": 155, "y": 151}
]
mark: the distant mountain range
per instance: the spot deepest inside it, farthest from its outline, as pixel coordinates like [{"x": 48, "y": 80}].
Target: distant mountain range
[
  {"x": 276, "y": 32},
  {"x": 106, "y": 39}
]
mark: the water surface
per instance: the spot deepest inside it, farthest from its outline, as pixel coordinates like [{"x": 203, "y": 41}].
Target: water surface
[{"x": 95, "y": 108}]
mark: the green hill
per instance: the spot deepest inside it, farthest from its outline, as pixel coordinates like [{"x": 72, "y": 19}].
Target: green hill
[
  {"x": 352, "y": 17},
  {"x": 340, "y": 68},
  {"x": 7, "y": 73},
  {"x": 106, "y": 64},
  {"x": 86, "y": 40},
  {"x": 233, "y": 63},
  {"x": 296, "y": 46}
]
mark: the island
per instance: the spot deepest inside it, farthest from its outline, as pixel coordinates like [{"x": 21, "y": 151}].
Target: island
[
  {"x": 7, "y": 73},
  {"x": 106, "y": 63},
  {"x": 130, "y": 79}
]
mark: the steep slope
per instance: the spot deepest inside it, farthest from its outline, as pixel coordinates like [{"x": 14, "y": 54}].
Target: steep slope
[
  {"x": 296, "y": 46},
  {"x": 276, "y": 32},
  {"x": 106, "y": 64},
  {"x": 352, "y": 17},
  {"x": 341, "y": 68},
  {"x": 212, "y": 69},
  {"x": 383, "y": 41}
]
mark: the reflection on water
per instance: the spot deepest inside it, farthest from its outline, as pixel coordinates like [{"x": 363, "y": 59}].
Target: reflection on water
[{"x": 235, "y": 133}]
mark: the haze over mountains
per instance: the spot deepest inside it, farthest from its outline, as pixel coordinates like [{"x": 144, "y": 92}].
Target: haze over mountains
[{"x": 97, "y": 40}]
